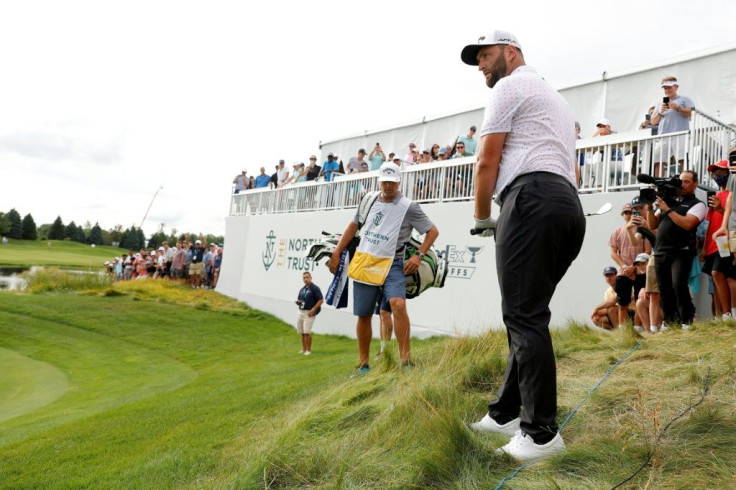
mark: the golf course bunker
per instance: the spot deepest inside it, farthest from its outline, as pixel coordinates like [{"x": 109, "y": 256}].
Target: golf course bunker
[{"x": 27, "y": 385}]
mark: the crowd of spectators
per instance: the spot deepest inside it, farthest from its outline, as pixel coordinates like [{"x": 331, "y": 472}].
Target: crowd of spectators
[
  {"x": 464, "y": 146},
  {"x": 195, "y": 264},
  {"x": 663, "y": 247}
]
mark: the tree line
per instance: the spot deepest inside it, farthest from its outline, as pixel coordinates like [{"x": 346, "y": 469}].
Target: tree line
[{"x": 131, "y": 238}]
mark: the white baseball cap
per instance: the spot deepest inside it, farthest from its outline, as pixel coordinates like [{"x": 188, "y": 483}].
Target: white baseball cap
[
  {"x": 603, "y": 122},
  {"x": 669, "y": 83},
  {"x": 389, "y": 172},
  {"x": 469, "y": 53}
]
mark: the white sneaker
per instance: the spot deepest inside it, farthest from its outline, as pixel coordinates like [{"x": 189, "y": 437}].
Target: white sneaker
[
  {"x": 487, "y": 424},
  {"x": 301, "y": 352},
  {"x": 638, "y": 328},
  {"x": 664, "y": 327},
  {"x": 685, "y": 326},
  {"x": 727, "y": 316},
  {"x": 653, "y": 329},
  {"x": 308, "y": 353},
  {"x": 523, "y": 448}
]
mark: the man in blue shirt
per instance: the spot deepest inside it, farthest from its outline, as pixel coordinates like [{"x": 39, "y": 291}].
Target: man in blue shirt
[
  {"x": 330, "y": 166},
  {"x": 262, "y": 180},
  {"x": 309, "y": 301}
]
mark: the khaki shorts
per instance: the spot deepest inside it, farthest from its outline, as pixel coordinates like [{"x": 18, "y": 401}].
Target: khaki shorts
[
  {"x": 732, "y": 241},
  {"x": 196, "y": 269},
  {"x": 304, "y": 322},
  {"x": 651, "y": 286}
]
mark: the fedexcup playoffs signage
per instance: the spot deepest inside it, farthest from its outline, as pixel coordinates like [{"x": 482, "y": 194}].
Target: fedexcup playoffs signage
[
  {"x": 287, "y": 253},
  {"x": 461, "y": 261}
]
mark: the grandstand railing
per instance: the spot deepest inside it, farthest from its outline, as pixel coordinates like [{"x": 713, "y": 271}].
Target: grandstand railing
[{"x": 607, "y": 164}]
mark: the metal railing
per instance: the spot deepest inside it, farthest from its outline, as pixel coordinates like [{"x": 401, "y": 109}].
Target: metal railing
[{"x": 607, "y": 164}]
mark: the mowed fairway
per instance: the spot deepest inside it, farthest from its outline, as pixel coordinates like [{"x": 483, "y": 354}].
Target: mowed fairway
[
  {"x": 119, "y": 392},
  {"x": 23, "y": 253}
]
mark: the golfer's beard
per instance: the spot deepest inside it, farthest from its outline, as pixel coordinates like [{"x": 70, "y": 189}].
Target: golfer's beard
[{"x": 498, "y": 71}]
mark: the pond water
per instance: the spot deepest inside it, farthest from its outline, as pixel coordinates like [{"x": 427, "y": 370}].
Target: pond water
[{"x": 10, "y": 278}]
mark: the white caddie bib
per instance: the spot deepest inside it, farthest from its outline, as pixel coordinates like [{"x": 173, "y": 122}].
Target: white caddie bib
[{"x": 379, "y": 236}]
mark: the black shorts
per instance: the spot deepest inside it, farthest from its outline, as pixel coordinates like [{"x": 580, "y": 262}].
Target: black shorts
[
  {"x": 714, "y": 262},
  {"x": 624, "y": 286}
]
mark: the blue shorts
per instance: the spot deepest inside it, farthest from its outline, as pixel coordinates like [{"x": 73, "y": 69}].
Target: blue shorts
[{"x": 367, "y": 296}]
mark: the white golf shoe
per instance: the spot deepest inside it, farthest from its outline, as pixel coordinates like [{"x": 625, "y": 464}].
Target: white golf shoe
[
  {"x": 487, "y": 424},
  {"x": 523, "y": 448}
]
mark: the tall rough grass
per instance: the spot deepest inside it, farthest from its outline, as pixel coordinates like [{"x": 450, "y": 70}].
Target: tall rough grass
[{"x": 53, "y": 279}]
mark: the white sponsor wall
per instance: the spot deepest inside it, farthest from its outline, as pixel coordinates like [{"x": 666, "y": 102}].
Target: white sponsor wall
[{"x": 264, "y": 260}]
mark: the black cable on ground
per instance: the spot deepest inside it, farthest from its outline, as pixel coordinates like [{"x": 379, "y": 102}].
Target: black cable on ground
[{"x": 706, "y": 387}]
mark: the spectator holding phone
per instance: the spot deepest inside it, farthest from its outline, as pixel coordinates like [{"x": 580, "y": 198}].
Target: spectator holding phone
[
  {"x": 377, "y": 157},
  {"x": 647, "y": 123},
  {"x": 672, "y": 115},
  {"x": 623, "y": 252}
]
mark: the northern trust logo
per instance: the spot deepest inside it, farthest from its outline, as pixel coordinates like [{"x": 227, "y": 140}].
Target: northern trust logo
[
  {"x": 461, "y": 262},
  {"x": 269, "y": 255},
  {"x": 378, "y": 218}
]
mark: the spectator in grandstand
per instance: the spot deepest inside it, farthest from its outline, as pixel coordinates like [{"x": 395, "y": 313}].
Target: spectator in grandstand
[
  {"x": 313, "y": 170},
  {"x": 435, "y": 152},
  {"x": 342, "y": 167},
  {"x": 605, "y": 315},
  {"x": 309, "y": 300},
  {"x": 262, "y": 180},
  {"x": 647, "y": 123},
  {"x": 461, "y": 150},
  {"x": 442, "y": 154},
  {"x": 411, "y": 155},
  {"x": 672, "y": 114},
  {"x": 623, "y": 253},
  {"x": 714, "y": 265},
  {"x": 364, "y": 167},
  {"x": 603, "y": 128},
  {"x": 299, "y": 174},
  {"x": 577, "y": 131},
  {"x": 241, "y": 182},
  {"x": 329, "y": 167},
  {"x": 391, "y": 156},
  {"x": 283, "y": 174},
  {"x": 355, "y": 163},
  {"x": 377, "y": 157},
  {"x": 252, "y": 183},
  {"x": 470, "y": 143},
  {"x": 274, "y": 181}
]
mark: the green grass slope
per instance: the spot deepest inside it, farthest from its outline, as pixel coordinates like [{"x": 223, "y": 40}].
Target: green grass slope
[
  {"x": 171, "y": 387},
  {"x": 25, "y": 253}
]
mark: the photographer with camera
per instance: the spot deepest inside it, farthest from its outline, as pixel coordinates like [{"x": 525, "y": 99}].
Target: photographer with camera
[
  {"x": 309, "y": 302},
  {"x": 676, "y": 221}
]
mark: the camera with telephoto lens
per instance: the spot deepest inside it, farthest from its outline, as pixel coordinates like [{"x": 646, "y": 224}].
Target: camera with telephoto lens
[
  {"x": 299, "y": 303},
  {"x": 666, "y": 189}
]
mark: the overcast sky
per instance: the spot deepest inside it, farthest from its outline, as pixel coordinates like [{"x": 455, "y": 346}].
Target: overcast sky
[{"x": 101, "y": 103}]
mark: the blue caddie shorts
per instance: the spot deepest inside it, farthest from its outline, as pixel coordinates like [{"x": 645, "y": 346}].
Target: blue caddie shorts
[{"x": 366, "y": 296}]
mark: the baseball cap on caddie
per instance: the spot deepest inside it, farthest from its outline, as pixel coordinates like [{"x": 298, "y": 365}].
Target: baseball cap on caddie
[
  {"x": 470, "y": 52},
  {"x": 389, "y": 172}
]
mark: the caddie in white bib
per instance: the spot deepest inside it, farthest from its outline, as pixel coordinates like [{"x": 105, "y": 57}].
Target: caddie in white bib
[{"x": 379, "y": 237}]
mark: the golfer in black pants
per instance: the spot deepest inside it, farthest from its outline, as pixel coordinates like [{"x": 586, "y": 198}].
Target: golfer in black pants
[{"x": 527, "y": 159}]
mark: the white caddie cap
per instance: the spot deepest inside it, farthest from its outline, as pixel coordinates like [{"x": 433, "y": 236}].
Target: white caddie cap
[
  {"x": 389, "y": 172},
  {"x": 469, "y": 54}
]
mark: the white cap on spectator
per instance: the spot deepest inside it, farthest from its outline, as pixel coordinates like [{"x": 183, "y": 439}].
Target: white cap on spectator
[
  {"x": 161, "y": 249},
  {"x": 198, "y": 241},
  {"x": 603, "y": 122},
  {"x": 389, "y": 172},
  {"x": 469, "y": 53},
  {"x": 669, "y": 83}
]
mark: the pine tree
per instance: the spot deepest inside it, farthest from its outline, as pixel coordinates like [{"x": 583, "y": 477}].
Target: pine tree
[
  {"x": 95, "y": 235},
  {"x": 29, "y": 228},
  {"x": 16, "y": 225},
  {"x": 79, "y": 237},
  {"x": 4, "y": 224},
  {"x": 57, "y": 231},
  {"x": 141, "y": 239},
  {"x": 71, "y": 231},
  {"x": 130, "y": 239}
]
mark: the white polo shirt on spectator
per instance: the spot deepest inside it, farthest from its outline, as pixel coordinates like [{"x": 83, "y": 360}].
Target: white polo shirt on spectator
[{"x": 539, "y": 124}]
